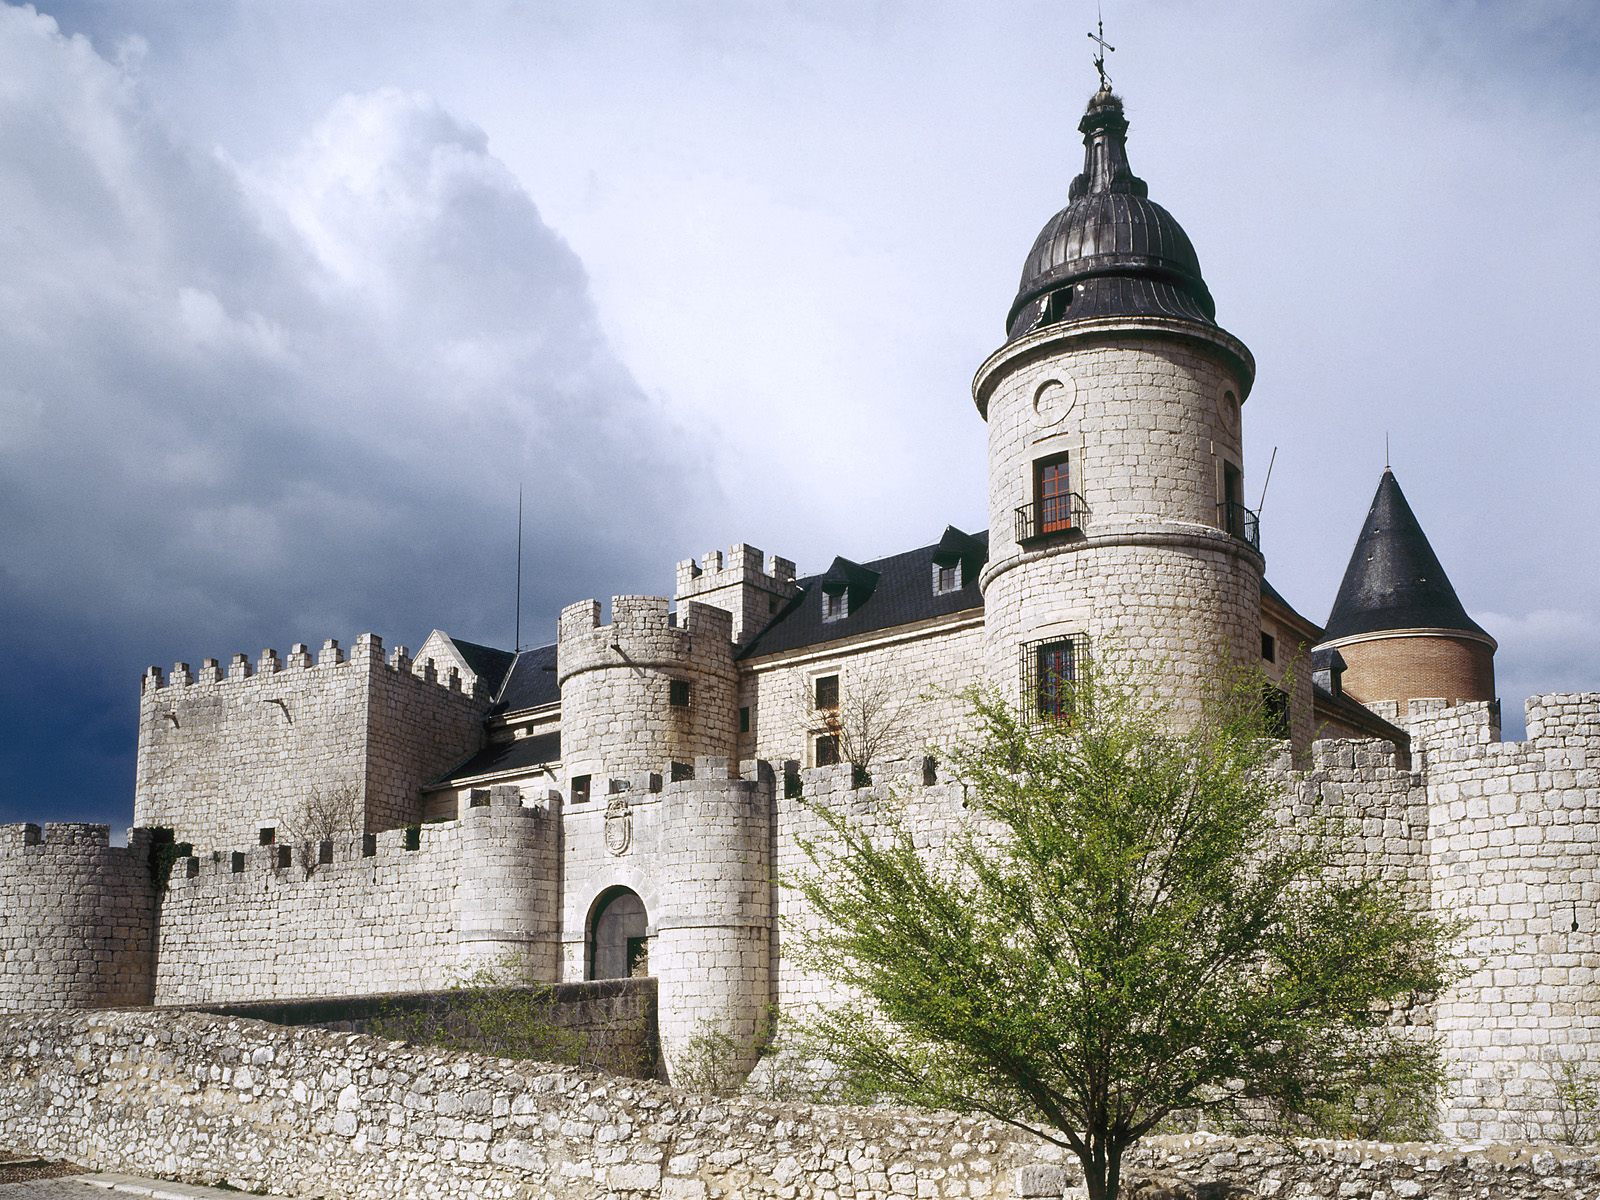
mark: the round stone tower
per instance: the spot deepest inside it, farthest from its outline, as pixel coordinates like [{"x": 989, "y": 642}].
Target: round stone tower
[
  {"x": 1397, "y": 622},
  {"x": 650, "y": 689},
  {"x": 1116, "y": 473}
]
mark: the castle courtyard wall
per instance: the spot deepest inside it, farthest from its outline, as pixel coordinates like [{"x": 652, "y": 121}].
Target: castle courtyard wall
[{"x": 401, "y": 910}]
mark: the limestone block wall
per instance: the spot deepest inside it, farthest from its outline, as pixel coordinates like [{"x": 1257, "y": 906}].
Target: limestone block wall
[
  {"x": 933, "y": 813},
  {"x": 617, "y": 716},
  {"x": 1515, "y": 845},
  {"x": 698, "y": 854},
  {"x": 919, "y": 675},
  {"x": 77, "y": 918},
  {"x": 402, "y": 910},
  {"x": 223, "y": 754},
  {"x": 1149, "y": 418},
  {"x": 746, "y": 584}
]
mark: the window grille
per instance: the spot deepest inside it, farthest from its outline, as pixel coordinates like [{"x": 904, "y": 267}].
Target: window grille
[
  {"x": 1049, "y": 675},
  {"x": 678, "y": 693},
  {"x": 826, "y": 690},
  {"x": 1275, "y": 711}
]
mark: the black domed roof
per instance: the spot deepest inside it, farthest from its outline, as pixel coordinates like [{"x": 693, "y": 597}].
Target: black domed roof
[
  {"x": 1111, "y": 251},
  {"x": 1394, "y": 580}
]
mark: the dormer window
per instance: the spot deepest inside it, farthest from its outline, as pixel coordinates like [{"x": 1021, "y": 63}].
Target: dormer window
[
  {"x": 835, "y": 605},
  {"x": 946, "y": 577}
]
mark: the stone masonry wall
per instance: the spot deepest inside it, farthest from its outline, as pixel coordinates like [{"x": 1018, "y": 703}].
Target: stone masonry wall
[
  {"x": 1149, "y": 421},
  {"x": 302, "y": 1112},
  {"x": 698, "y": 854},
  {"x": 617, "y": 719},
  {"x": 77, "y": 918},
  {"x": 223, "y": 755},
  {"x": 381, "y": 917},
  {"x": 1516, "y": 853},
  {"x": 920, "y": 675}
]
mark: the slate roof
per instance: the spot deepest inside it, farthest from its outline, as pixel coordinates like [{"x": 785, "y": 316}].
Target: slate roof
[
  {"x": 487, "y": 663},
  {"x": 901, "y": 593},
  {"x": 1353, "y": 713},
  {"x": 1111, "y": 251},
  {"x": 1394, "y": 579},
  {"x": 521, "y": 754},
  {"x": 531, "y": 682}
]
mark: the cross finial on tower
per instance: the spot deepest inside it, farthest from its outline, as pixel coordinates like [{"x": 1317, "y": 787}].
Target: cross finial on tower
[{"x": 1099, "y": 38}]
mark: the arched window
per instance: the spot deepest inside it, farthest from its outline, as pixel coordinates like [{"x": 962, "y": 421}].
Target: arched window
[{"x": 618, "y": 944}]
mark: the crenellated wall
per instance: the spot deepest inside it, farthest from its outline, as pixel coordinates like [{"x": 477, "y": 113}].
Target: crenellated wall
[
  {"x": 225, "y": 753},
  {"x": 1515, "y": 852},
  {"x": 618, "y": 720},
  {"x": 698, "y": 854},
  {"x": 77, "y": 918},
  {"x": 402, "y": 910}
]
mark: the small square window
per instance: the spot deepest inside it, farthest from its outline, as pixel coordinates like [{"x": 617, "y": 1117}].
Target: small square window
[
  {"x": 744, "y": 719},
  {"x": 678, "y": 693},
  {"x": 826, "y": 690},
  {"x": 580, "y": 789},
  {"x": 268, "y": 835},
  {"x": 835, "y": 605},
  {"x": 1269, "y": 647},
  {"x": 827, "y": 750}
]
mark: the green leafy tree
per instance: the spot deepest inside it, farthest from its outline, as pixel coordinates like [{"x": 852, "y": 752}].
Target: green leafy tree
[{"x": 1123, "y": 931}]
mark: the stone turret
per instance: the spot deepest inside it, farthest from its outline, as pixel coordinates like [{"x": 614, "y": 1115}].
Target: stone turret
[
  {"x": 746, "y": 584},
  {"x": 1117, "y": 524},
  {"x": 650, "y": 688},
  {"x": 1397, "y": 623}
]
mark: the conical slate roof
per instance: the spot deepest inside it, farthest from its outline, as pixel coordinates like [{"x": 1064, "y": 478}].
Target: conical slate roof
[{"x": 1394, "y": 580}]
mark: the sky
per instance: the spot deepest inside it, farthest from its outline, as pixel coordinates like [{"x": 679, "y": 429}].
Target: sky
[{"x": 294, "y": 296}]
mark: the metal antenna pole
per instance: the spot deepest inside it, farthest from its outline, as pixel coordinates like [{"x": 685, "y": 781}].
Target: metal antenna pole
[
  {"x": 516, "y": 641},
  {"x": 1262, "y": 503}
]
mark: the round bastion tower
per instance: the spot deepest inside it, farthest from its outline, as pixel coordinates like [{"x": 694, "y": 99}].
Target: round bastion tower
[{"x": 1116, "y": 475}]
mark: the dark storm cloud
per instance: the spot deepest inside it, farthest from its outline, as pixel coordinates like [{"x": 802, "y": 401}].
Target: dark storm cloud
[{"x": 248, "y": 406}]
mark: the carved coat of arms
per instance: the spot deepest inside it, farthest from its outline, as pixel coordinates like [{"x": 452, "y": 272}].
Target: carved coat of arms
[{"x": 619, "y": 825}]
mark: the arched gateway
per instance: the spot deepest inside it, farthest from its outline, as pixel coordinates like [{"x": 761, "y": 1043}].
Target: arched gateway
[{"x": 618, "y": 936}]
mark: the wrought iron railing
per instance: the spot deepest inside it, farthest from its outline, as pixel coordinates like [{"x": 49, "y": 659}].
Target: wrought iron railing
[
  {"x": 1051, "y": 517},
  {"x": 1238, "y": 520}
]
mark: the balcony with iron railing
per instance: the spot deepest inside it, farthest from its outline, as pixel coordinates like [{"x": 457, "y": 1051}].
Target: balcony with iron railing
[
  {"x": 1052, "y": 517},
  {"x": 1238, "y": 520}
]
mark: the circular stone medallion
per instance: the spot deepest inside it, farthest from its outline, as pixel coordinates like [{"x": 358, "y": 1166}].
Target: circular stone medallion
[{"x": 1053, "y": 400}]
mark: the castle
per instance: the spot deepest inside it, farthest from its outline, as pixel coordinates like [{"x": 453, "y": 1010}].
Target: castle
[{"x": 623, "y": 800}]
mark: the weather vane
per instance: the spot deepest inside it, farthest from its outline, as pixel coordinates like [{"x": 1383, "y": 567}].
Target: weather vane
[{"x": 1100, "y": 58}]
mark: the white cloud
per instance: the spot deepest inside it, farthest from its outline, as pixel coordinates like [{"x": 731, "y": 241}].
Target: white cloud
[{"x": 239, "y": 398}]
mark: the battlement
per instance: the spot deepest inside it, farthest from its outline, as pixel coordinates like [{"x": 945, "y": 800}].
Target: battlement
[
  {"x": 744, "y": 564},
  {"x": 447, "y": 846},
  {"x": 367, "y": 654},
  {"x": 643, "y": 632}
]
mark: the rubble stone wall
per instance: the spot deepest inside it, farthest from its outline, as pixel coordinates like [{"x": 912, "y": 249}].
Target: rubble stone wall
[{"x": 304, "y": 1112}]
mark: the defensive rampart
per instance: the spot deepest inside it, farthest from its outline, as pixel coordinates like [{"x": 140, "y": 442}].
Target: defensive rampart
[
  {"x": 77, "y": 918},
  {"x": 224, "y": 753},
  {"x": 302, "y": 1112},
  {"x": 1515, "y": 842},
  {"x": 404, "y": 910}
]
